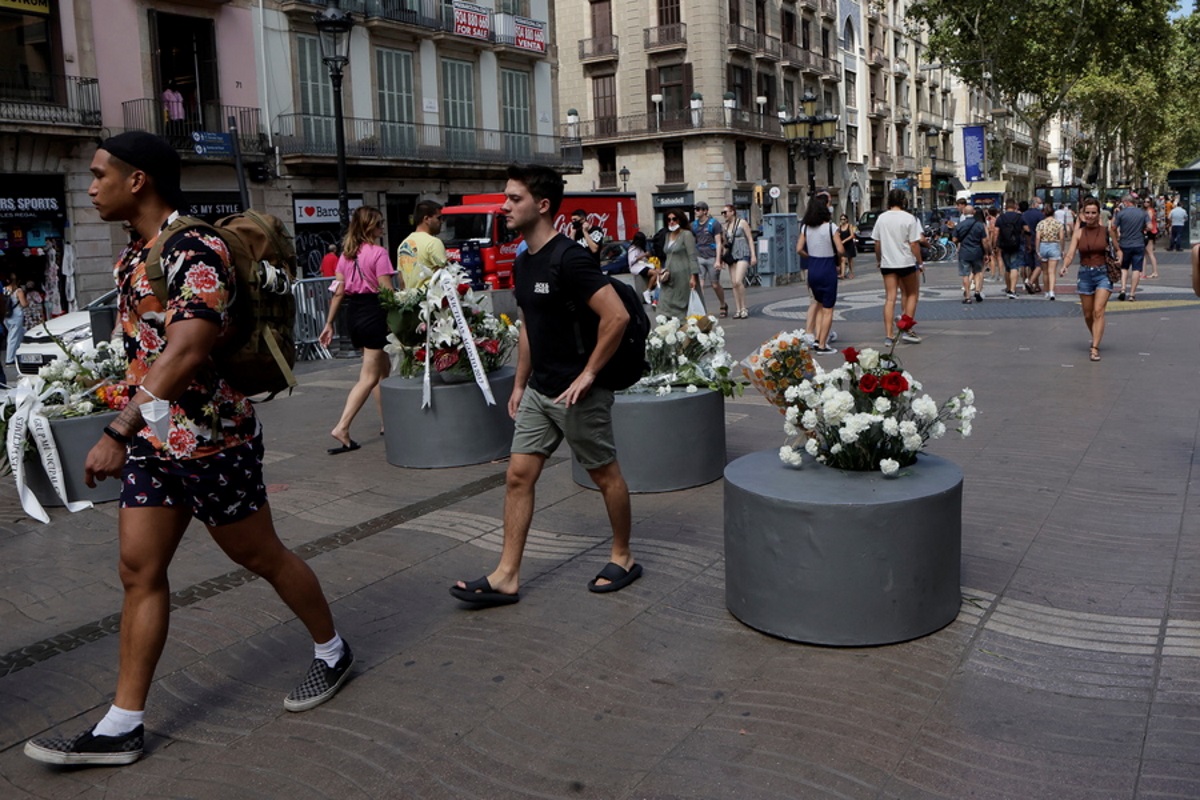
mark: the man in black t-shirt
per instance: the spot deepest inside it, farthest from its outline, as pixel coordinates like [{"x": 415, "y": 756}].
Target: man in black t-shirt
[{"x": 571, "y": 323}]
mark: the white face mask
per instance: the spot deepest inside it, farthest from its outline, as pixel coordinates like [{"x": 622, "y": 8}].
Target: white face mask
[{"x": 674, "y": 226}]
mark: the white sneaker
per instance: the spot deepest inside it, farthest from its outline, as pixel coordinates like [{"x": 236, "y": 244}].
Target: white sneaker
[
  {"x": 648, "y": 298},
  {"x": 1049, "y": 295},
  {"x": 908, "y": 336}
]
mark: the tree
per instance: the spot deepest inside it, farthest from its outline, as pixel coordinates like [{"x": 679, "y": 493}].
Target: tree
[{"x": 1028, "y": 55}]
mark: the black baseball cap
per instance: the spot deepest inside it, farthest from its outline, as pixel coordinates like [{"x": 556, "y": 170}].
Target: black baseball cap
[{"x": 154, "y": 156}]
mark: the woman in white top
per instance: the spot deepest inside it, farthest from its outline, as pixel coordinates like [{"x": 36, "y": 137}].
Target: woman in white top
[{"x": 822, "y": 247}]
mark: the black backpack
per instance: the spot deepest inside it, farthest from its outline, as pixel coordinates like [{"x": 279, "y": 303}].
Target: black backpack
[
  {"x": 628, "y": 363},
  {"x": 1010, "y": 232}
]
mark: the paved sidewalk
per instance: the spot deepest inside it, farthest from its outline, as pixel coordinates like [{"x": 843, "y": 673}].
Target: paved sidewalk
[{"x": 1072, "y": 671}]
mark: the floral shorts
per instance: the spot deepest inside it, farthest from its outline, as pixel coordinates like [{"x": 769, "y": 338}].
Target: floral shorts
[{"x": 218, "y": 490}]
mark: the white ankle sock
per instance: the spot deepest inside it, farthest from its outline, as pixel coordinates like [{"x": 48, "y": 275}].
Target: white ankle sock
[
  {"x": 118, "y": 721},
  {"x": 331, "y": 651}
]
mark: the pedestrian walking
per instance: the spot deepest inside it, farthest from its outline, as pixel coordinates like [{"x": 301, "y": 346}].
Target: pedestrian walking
[
  {"x": 897, "y": 236},
  {"x": 740, "y": 243},
  {"x": 820, "y": 245},
  {"x": 16, "y": 301},
  {"x": 1031, "y": 216},
  {"x": 846, "y": 232},
  {"x": 564, "y": 301},
  {"x": 363, "y": 267},
  {"x": 1130, "y": 225},
  {"x": 1178, "y": 217},
  {"x": 1008, "y": 241},
  {"x": 422, "y": 253},
  {"x": 186, "y": 445},
  {"x": 1091, "y": 241},
  {"x": 680, "y": 270},
  {"x": 709, "y": 239},
  {"x": 1151, "y": 234},
  {"x": 971, "y": 232},
  {"x": 1049, "y": 236}
]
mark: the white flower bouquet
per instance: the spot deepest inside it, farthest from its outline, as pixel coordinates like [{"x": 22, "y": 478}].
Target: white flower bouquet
[
  {"x": 688, "y": 355},
  {"x": 867, "y": 414}
]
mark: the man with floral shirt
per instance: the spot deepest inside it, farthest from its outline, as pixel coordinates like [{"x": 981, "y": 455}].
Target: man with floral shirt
[{"x": 186, "y": 445}]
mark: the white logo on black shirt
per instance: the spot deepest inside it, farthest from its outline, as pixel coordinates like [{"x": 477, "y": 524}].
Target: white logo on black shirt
[{"x": 540, "y": 287}]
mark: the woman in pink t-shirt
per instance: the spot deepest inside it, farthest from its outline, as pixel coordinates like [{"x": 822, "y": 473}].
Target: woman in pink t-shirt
[{"x": 363, "y": 267}]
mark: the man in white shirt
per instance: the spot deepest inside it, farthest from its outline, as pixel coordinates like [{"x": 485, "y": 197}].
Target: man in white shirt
[
  {"x": 1065, "y": 218},
  {"x": 897, "y": 236},
  {"x": 1178, "y": 218}
]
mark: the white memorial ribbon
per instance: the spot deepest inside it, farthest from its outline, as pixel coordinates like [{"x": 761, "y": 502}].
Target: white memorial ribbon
[
  {"x": 28, "y": 420},
  {"x": 464, "y": 330}
]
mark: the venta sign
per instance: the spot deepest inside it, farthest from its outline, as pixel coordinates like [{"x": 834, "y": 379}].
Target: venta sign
[{"x": 530, "y": 34}]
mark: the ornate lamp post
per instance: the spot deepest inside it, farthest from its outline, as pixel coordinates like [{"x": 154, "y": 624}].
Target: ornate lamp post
[
  {"x": 811, "y": 134},
  {"x": 333, "y": 27},
  {"x": 934, "y": 139},
  {"x": 624, "y": 173}
]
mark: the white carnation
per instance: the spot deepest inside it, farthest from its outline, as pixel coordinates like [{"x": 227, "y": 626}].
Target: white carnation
[
  {"x": 968, "y": 397},
  {"x": 883, "y": 405},
  {"x": 691, "y": 389},
  {"x": 966, "y": 428},
  {"x": 924, "y": 407},
  {"x": 908, "y": 428},
  {"x": 837, "y": 448},
  {"x": 889, "y": 466},
  {"x": 939, "y": 430},
  {"x": 890, "y": 426},
  {"x": 812, "y": 447},
  {"x": 790, "y": 456},
  {"x": 913, "y": 443},
  {"x": 809, "y": 420},
  {"x": 837, "y": 406}
]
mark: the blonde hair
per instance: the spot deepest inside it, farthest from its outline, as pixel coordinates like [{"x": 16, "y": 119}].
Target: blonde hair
[{"x": 363, "y": 222}]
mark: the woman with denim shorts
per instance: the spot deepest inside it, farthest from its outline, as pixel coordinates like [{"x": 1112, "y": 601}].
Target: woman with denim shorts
[
  {"x": 1048, "y": 242},
  {"x": 1091, "y": 240}
]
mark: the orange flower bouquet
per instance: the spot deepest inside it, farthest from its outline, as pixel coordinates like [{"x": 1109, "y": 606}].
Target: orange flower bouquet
[{"x": 782, "y": 361}]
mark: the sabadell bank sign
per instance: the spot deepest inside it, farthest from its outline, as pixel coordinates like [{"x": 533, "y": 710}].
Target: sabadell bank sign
[{"x": 320, "y": 211}]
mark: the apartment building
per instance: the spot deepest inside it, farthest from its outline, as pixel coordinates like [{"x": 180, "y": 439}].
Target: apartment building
[
  {"x": 438, "y": 98},
  {"x": 689, "y": 100}
]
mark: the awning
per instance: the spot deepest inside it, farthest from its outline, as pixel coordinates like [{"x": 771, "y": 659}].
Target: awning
[{"x": 989, "y": 187}]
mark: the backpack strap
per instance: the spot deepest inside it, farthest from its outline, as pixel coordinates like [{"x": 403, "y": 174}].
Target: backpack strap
[
  {"x": 556, "y": 259},
  {"x": 167, "y": 236}
]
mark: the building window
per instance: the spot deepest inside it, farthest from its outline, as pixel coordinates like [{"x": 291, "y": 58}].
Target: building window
[
  {"x": 760, "y": 16},
  {"x": 739, "y": 84},
  {"x": 316, "y": 92},
  {"x": 766, "y": 163},
  {"x": 604, "y": 104},
  {"x": 602, "y": 19},
  {"x": 766, "y": 88},
  {"x": 394, "y": 94},
  {"x": 824, "y": 42},
  {"x": 789, "y": 94},
  {"x": 740, "y": 161},
  {"x": 673, "y": 162},
  {"x": 851, "y": 82},
  {"x": 791, "y": 164},
  {"x": 787, "y": 26},
  {"x": 606, "y": 157},
  {"x": 848, "y": 36},
  {"x": 735, "y": 12},
  {"x": 517, "y": 110},
  {"x": 805, "y": 34},
  {"x": 519, "y": 8},
  {"x": 852, "y": 142},
  {"x": 458, "y": 105},
  {"x": 668, "y": 12}
]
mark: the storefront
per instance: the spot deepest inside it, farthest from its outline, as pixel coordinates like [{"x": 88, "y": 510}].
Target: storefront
[
  {"x": 316, "y": 227},
  {"x": 664, "y": 201},
  {"x": 33, "y": 221},
  {"x": 212, "y": 206}
]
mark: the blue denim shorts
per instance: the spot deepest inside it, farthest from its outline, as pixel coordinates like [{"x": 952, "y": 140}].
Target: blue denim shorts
[
  {"x": 972, "y": 267},
  {"x": 1050, "y": 251},
  {"x": 1132, "y": 258},
  {"x": 1093, "y": 278}
]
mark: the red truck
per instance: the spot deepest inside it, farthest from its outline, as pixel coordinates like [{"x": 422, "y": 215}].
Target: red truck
[{"x": 479, "y": 220}]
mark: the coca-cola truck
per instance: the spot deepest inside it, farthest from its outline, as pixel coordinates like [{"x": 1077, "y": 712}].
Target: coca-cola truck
[{"x": 480, "y": 220}]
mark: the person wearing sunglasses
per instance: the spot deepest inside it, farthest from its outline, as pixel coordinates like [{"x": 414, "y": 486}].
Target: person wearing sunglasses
[
  {"x": 680, "y": 271},
  {"x": 709, "y": 241},
  {"x": 740, "y": 244}
]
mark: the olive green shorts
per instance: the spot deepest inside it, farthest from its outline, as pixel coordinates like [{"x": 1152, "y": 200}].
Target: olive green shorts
[{"x": 542, "y": 424}]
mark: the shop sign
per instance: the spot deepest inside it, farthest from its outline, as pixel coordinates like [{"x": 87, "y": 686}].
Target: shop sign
[
  {"x": 320, "y": 211},
  {"x": 32, "y": 197},
  {"x": 742, "y": 197},
  {"x": 530, "y": 34},
  {"x": 673, "y": 200},
  {"x": 27, "y": 6},
  {"x": 212, "y": 206},
  {"x": 472, "y": 20}
]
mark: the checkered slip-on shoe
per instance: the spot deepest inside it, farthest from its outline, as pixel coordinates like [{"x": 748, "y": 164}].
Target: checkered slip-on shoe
[
  {"x": 87, "y": 748},
  {"x": 321, "y": 683}
]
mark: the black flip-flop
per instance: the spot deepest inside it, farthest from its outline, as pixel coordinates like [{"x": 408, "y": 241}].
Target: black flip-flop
[
  {"x": 480, "y": 593},
  {"x": 618, "y": 576},
  {"x": 346, "y": 448}
]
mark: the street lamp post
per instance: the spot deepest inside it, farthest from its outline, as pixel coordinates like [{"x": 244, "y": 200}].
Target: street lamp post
[
  {"x": 811, "y": 133},
  {"x": 624, "y": 173},
  {"x": 333, "y": 27},
  {"x": 934, "y": 139}
]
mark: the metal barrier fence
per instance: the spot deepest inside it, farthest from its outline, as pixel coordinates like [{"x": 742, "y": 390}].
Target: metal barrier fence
[{"x": 312, "y": 307}]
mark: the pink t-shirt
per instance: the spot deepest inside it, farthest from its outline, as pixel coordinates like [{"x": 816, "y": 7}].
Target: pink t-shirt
[{"x": 373, "y": 263}]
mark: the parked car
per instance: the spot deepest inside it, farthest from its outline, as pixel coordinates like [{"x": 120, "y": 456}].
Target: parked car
[
  {"x": 613, "y": 258},
  {"x": 862, "y": 238},
  {"x": 38, "y": 348}
]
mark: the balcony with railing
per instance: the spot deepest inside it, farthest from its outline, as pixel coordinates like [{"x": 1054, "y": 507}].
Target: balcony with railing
[
  {"x": 878, "y": 108},
  {"x": 40, "y": 98},
  {"x": 424, "y": 15},
  {"x": 876, "y": 57},
  {"x": 829, "y": 8},
  {"x": 150, "y": 114},
  {"x": 906, "y": 164},
  {"x": 926, "y": 119},
  {"x": 762, "y": 45},
  {"x": 301, "y": 136},
  {"x": 675, "y": 122},
  {"x": 830, "y": 69},
  {"x": 794, "y": 56},
  {"x": 665, "y": 37},
  {"x": 598, "y": 49},
  {"x": 881, "y": 161}
]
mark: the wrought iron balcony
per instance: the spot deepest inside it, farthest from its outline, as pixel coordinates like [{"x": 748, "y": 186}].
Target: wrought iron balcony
[
  {"x": 881, "y": 161},
  {"x": 876, "y": 57},
  {"x": 308, "y": 135},
  {"x": 50, "y": 99},
  {"x": 762, "y": 45},
  {"x": 599, "y": 48},
  {"x": 149, "y": 114},
  {"x": 676, "y": 122},
  {"x": 666, "y": 37}
]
